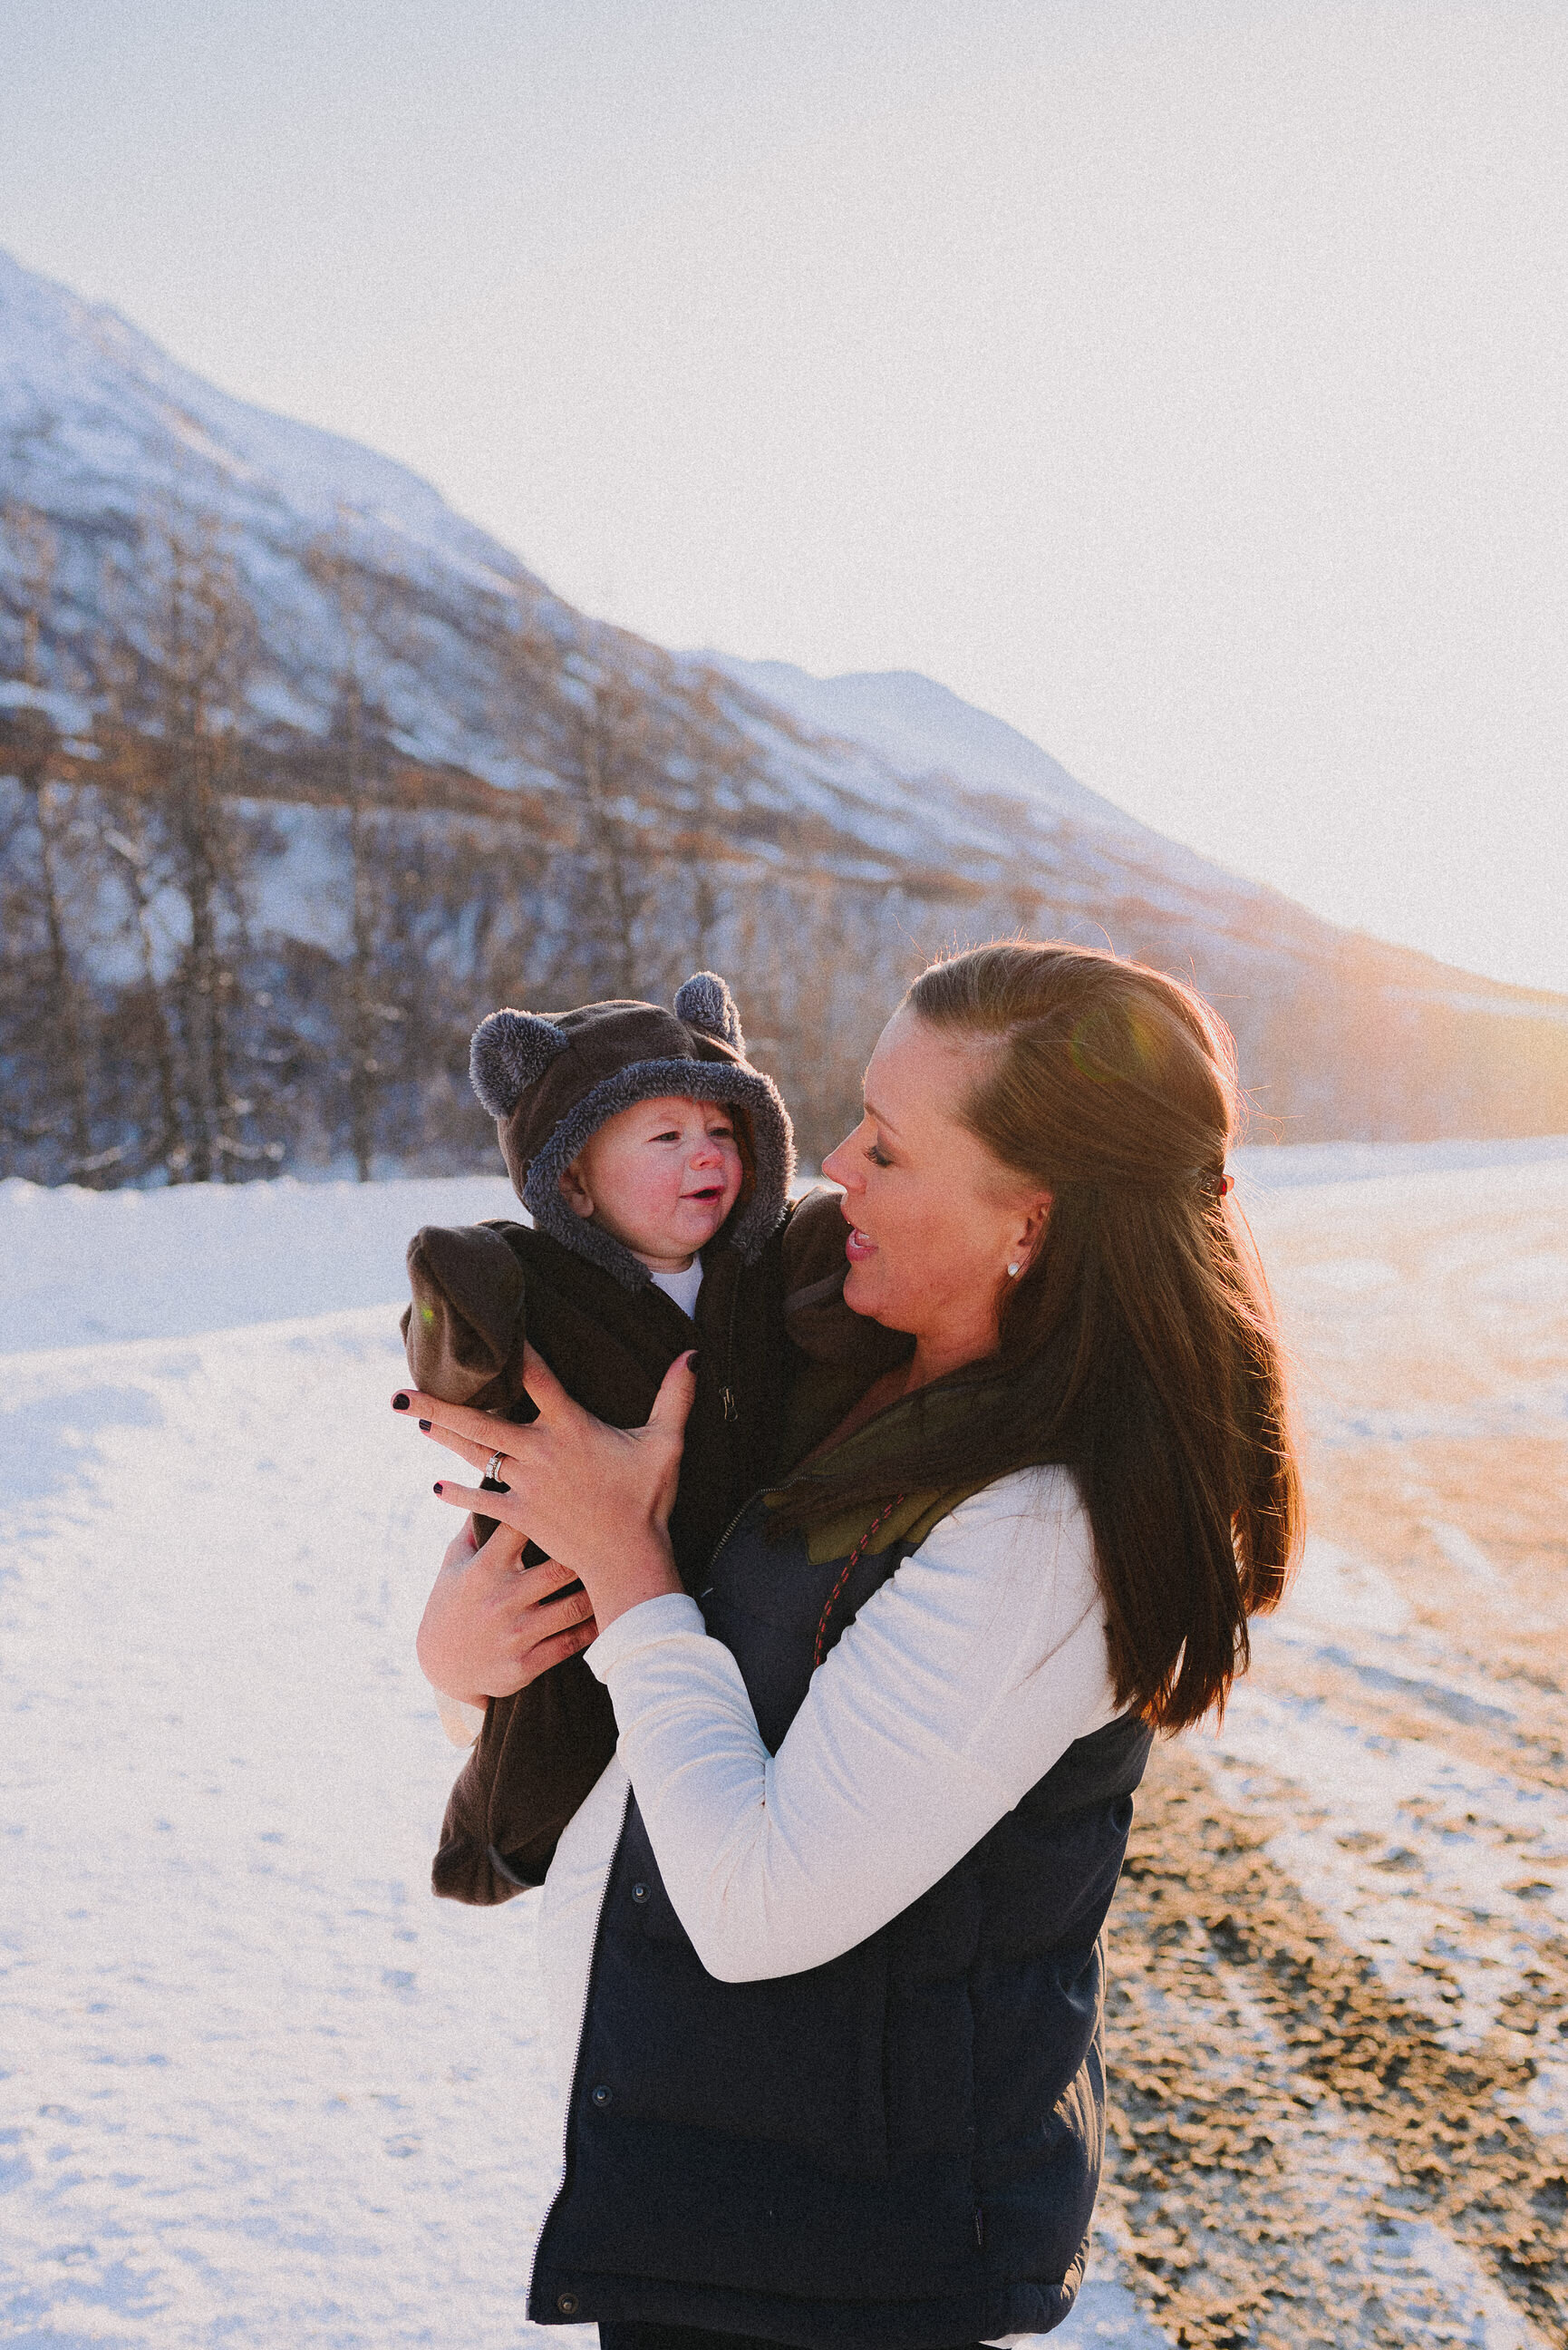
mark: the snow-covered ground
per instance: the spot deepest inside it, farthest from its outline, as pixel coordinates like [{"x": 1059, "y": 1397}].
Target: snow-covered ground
[
  {"x": 81, "y": 1267},
  {"x": 1407, "y": 1715},
  {"x": 257, "y": 2087}
]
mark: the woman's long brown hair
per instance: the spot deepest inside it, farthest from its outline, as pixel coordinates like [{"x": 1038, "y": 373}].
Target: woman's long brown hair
[{"x": 1139, "y": 1345}]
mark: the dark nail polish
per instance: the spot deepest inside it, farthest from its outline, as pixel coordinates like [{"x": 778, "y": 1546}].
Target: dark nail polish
[
  {"x": 691, "y": 1360},
  {"x": 426, "y": 1425},
  {"x": 436, "y": 1487},
  {"x": 402, "y": 1402}
]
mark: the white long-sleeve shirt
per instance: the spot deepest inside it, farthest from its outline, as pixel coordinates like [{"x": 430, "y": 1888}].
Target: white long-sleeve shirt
[{"x": 958, "y": 1684}]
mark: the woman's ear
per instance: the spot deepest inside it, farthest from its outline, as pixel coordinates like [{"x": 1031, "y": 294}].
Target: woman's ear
[
  {"x": 1031, "y": 1231},
  {"x": 574, "y": 1192}
]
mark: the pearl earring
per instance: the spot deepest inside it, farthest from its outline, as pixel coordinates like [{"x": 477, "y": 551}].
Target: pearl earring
[{"x": 1013, "y": 1271}]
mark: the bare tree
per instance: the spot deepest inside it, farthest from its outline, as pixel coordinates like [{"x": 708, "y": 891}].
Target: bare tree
[
  {"x": 128, "y": 844},
  {"x": 31, "y": 752},
  {"x": 715, "y": 761},
  {"x": 615, "y": 750},
  {"x": 198, "y": 649},
  {"x": 535, "y": 716},
  {"x": 130, "y": 770},
  {"x": 357, "y": 604}
]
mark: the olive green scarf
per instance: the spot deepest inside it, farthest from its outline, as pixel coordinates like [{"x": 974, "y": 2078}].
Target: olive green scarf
[{"x": 904, "y": 1516}]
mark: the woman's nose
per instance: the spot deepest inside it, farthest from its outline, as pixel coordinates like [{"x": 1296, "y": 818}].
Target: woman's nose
[{"x": 838, "y": 1167}]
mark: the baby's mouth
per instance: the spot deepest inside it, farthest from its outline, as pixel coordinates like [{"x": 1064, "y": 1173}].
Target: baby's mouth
[{"x": 714, "y": 1192}]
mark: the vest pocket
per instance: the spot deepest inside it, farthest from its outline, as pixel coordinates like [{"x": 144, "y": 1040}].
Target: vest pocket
[
  {"x": 796, "y": 2061},
  {"x": 929, "y": 2069}
]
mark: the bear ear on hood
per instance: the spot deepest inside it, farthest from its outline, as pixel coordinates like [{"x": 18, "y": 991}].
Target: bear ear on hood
[
  {"x": 705, "y": 1003},
  {"x": 509, "y": 1052}
]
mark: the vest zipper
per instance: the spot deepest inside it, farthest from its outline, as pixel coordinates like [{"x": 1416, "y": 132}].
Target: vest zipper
[
  {"x": 559, "y": 2187},
  {"x": 725, "y": 1537}
]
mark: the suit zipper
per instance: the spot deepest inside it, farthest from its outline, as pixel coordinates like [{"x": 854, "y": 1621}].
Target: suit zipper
[
  {"x": 559, "y": 2187},
  {"x": 731, "y": 1410}
]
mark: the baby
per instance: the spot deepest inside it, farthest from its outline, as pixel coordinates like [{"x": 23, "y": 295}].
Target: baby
[{"x": 656, "y": 1162}]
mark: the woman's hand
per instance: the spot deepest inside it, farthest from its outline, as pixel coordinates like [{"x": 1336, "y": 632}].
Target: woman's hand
[
  {"x": 491, "y": 1624},
  {"x": 597, "y": 1498}
]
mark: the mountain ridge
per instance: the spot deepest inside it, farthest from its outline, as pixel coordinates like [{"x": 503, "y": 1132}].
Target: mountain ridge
[
  {"x": 925, "y": 729},
  {"x": 826, "y": 707},
  {"x": 410, "y": 690}
]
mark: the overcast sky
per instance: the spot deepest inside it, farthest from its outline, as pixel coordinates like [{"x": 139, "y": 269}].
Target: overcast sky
[{"x": 1186, "y": 383}]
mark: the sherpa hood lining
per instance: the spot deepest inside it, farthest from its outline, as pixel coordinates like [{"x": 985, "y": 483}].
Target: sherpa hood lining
[{"x": 692, "y": 1080}]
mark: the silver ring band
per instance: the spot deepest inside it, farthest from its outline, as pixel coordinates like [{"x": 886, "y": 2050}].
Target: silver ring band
[{"x": 492, "y": 1467}]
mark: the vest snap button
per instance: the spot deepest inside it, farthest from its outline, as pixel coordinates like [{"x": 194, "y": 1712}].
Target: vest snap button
[
  {"x": 639, "y": 1892},
  {"x": 567, "y": 2302},
  {"x": 601, "y": 2096}
]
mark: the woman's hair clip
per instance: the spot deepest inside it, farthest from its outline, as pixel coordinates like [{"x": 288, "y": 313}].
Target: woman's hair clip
[{"x": 1223, "y": 1183}]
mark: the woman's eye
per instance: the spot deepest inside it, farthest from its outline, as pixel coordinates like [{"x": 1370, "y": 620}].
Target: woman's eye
[{"x": 877, "y": 1155}]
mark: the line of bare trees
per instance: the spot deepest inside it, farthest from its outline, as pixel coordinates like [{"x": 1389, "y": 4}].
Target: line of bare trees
[
  {"x": 229, "y": 946},
  {"x": 233, "y": 944},
  {"x": 122, "y": 865}
]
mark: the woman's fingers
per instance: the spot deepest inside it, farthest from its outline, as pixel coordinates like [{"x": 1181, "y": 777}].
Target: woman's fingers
[
  {"x": 672, "y": 1404},
  {"x": 537, "y": 1583},
  {"x": 502, "y": 1553},
  {"x": 599, "y": 1495},
  {"x": 544, "y": 1387},
  {"x": 456, "y": 1417},
  {"x": 549, "y": 1396},
  {"x": 507, "y": 1504},
  {"x": 467, "y": 1497},
  {"x": 467, "y": 1449},
  {"x": 460, "y": 1551},
  {"x": 554, "y": 1613},
  {"x": 491, "y": 1624},
  {"x": 555, "y": 1650},
  {"x": 547, "y": 1628}
]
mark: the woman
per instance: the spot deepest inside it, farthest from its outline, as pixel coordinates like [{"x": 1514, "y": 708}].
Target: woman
[{"x": 827, "y": 1974}]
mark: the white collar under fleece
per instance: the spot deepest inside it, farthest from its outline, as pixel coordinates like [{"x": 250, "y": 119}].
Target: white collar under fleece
[{"x": 681, "y": 1286}]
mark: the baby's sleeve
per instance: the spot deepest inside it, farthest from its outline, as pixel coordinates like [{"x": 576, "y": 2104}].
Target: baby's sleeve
[{"x": 464, "y": 1322}]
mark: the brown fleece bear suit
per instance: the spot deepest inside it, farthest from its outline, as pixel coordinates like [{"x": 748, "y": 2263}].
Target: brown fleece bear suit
[{"x": 769, "y": 1307}]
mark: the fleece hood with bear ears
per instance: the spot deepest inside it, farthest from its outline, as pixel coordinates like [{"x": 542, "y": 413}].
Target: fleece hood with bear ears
[{"x": 550, "y": 1082}]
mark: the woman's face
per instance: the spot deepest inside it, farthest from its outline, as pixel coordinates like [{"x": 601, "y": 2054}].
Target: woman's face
[{"x": 936, "y": 1220}]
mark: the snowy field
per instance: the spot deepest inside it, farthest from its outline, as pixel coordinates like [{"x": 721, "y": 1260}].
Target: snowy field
[{"x": 257, "y": 2087}]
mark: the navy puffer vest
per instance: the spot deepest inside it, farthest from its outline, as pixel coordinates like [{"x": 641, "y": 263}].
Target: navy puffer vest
[{"x": 895, "y": 2151}]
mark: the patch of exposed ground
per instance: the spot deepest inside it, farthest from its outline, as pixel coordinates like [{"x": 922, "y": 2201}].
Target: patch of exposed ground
[{"x": 1295, "y": 2157}]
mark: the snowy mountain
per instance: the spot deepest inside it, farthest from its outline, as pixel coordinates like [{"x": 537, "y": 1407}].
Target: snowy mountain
[
  {"x": 93, "y": 410},
  {"x": 105, "y": 433},
  {"x": 810, "y": 831},
  {"x": 927, "y": 734}
]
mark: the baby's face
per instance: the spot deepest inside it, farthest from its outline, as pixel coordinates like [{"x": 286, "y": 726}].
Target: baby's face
[{"x": 661, "y": 1177}]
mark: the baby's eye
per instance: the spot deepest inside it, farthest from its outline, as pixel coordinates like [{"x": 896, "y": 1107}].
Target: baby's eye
[{"x": 672, "y": 1135}]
